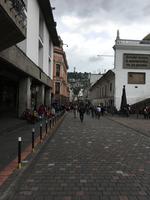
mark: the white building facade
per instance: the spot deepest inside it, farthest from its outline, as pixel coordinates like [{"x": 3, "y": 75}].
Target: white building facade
[
  {"x": 30, "y": 61},
  {"x": 132, "y": 69}
]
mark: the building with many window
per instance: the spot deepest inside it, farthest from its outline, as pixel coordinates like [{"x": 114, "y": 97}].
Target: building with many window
[
  {"x": 102, "y": 92},
  {"x": 60, "y": 83},
  {"x": 26, "y": 68}
]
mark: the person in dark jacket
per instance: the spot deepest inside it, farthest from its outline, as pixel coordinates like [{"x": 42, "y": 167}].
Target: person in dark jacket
[{"x": 81, "y": 111}]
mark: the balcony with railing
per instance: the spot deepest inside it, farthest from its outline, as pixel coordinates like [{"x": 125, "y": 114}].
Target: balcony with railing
[{"x": 12, "y": 22}]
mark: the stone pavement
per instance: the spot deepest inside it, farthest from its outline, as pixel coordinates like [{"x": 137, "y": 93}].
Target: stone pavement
[
  {"x": 93, "y": 160},
  {"x": 141, "y": 125}
]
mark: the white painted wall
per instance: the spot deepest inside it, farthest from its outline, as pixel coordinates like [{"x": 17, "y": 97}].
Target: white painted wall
[
  {"x": 33, "y": 30},
  {"x": 31, "y": 45},
  {"x": 51, "y": 56},
  {"x": 121, "y": 78},
  {"x": 46, "y": 50}
]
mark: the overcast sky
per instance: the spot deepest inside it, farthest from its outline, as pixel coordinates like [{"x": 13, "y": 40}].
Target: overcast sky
[{"x": 89, "y": 27}]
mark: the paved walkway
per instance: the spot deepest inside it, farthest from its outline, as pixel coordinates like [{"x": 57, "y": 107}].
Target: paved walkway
[
  {"x": 11, "y": 130},
  {"x": 141, "y": 125},
  {"x": 93, "y": 160}
]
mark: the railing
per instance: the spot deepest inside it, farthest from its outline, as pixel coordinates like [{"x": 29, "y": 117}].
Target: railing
[
  {"x": 128, "y": 42},
  {"x": 132, "y": 42},
  {"x": 20, "y": 8}
]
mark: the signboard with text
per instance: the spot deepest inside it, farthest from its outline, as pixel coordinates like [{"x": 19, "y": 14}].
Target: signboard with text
[{"x": 136, "y": 61}]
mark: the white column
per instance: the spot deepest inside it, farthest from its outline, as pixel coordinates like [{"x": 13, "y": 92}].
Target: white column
[
  {"x": 40, "y": 95},
  {"x": 24, "y": 95},
  {"x": 48, "y": 97}
]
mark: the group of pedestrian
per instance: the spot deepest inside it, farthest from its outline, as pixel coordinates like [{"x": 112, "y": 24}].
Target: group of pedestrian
[
  {"x": 82, "y": 108},
  {"x": 97, "y": 111}
]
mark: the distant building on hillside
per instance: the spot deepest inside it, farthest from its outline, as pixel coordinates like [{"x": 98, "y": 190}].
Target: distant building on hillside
[{"x": 78, "y": 81}]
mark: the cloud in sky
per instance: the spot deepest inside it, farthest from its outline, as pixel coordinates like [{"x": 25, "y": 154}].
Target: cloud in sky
[{"x": 89, "y": 28}]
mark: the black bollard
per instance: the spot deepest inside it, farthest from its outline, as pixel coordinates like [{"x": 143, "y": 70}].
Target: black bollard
[
  {"x": 53, "y": 121},
  {"x": 50, "y": 123},
  {"x": 33, "y": 134},
  {"x": 41, "y": 132},
  {"x": 46, "y": 126},
  {"x": 19, "y": 152}
]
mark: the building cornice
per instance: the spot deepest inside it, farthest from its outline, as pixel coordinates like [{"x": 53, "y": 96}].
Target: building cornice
[
  {"x": 25, "y": 65},
  {"x": 138, "y": 48},
  {"x": 123, "y": 44}
]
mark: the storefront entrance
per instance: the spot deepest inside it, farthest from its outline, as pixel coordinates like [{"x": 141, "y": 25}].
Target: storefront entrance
[{"x": 8, "y": 97}]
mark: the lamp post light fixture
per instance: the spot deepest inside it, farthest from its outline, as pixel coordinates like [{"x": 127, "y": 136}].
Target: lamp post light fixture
[{"x": 65, "y": 45}]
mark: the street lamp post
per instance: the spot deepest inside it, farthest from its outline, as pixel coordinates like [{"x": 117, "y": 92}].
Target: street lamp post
[{"x": 65, "y": 45}]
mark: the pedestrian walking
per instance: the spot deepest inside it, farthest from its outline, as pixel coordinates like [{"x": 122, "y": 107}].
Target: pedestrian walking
[
  {"x": 145, "y": 111},
  {"x": 81, "y": 111},
  {"x": 92, "y": 111},
  {"x": 98, "y": 109},
  {"x": 75, "y": 107}
]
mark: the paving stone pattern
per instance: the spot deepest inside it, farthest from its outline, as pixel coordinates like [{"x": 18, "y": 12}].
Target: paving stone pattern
[{"x": 93, "y": 160}]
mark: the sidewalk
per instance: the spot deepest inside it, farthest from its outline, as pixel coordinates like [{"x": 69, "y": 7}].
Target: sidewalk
[
  {"x": 93, "y": 160},
  {"x": 11, "y": 130},
  {"x": 141, "y": 125},
  {"x": 9, "y": 124}
]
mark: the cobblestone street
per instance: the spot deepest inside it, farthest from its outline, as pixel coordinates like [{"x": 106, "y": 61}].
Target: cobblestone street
[{"x": 93, "y": 160}]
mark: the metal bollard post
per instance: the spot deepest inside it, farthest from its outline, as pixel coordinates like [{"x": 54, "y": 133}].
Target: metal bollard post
[
  {"x": 33, "y": 134},
  {"x": 54, "y": 121},
  {"x": 41, "y": 132},
  {"x": 19, "y": 152},
  {"x": 46, "y": 126},
  {"x": 50, "y": 123}
]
